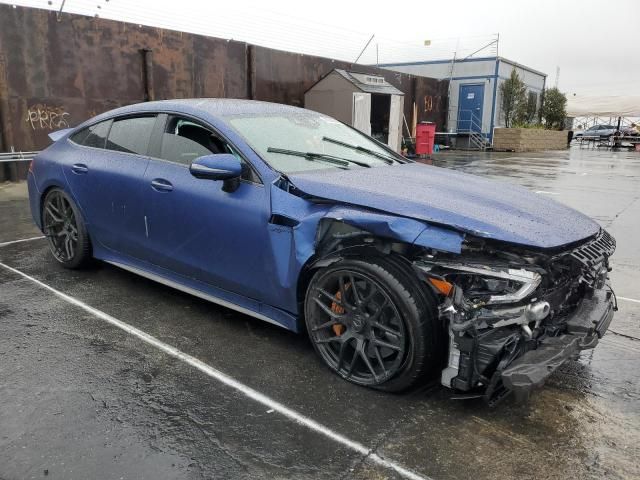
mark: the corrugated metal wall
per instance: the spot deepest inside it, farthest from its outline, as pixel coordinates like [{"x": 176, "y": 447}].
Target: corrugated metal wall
[{"x": 55, "y": 74}]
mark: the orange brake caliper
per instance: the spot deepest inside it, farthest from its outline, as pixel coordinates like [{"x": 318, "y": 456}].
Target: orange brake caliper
[{"x": 338, "y": 328}]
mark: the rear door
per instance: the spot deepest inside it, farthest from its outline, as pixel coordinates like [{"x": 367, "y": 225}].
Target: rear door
[
  {"x": 196, "y": 229},
  {"x": 105, "y": 178},
  {"x": 83, "y": 170}
]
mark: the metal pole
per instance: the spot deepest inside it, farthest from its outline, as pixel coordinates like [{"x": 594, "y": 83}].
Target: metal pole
[
  {"x": 11, "y": 169},
  {"x": 251, "y": 72},
  {"x": 60, "y": 11},
  {"x": 480, "y": 49},
  {"x": 453, "y": 61},
  {"x": 365, "y": 47},
  {"x": 149, "y": 93}
]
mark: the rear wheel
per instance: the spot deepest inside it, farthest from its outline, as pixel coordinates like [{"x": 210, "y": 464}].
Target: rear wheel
[
  {"x": 65, "y": 230},
  {"x": 372, "y": 324}
]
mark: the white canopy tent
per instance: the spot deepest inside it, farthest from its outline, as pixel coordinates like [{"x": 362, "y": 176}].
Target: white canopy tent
[{"x": 604, "y": 106}]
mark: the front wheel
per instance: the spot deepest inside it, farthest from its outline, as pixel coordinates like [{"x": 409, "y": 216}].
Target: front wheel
[
  {"x": 65, "y": 230},
  {"x": 372, "y": 324}
]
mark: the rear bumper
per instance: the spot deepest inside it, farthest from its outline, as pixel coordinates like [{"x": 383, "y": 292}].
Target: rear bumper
[{"x": 585, "y": 328}]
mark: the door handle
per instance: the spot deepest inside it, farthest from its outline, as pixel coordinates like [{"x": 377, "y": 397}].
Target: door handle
[
  {"x": 161, "y": 185},
  {"x": 79, "y": 168}
]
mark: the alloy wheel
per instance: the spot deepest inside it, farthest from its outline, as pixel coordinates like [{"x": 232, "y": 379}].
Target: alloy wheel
[
  {"x": 60, "y": 226},
  {"x": 356, "y": 327}
]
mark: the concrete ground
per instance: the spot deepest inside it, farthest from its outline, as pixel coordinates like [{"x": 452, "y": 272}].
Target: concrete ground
[{"x": 81, "y": 398}]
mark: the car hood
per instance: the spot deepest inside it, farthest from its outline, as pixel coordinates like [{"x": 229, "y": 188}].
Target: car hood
[{"x": 472, "y": 204}]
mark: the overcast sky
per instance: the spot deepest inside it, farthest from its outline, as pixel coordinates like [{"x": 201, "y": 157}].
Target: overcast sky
[{"x": 595, "y": 43}]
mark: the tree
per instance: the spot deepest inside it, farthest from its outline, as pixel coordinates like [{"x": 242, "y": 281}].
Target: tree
[
  {"x": 553, "y": 108},
  {"x": 526, "y": 110},
  {"x": 532, "y": 107},
  {"x": 513, "y": 94}
]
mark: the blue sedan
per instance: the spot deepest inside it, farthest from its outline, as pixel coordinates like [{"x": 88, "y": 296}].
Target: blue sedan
[{"x": 397, "y": 271}]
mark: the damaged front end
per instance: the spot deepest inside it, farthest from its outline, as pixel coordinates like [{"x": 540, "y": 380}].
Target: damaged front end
[{"x": 514, "y": 316}]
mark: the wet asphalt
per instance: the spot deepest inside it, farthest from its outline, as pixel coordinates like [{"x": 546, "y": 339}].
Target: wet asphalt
[{"x": 82, "y": 399}]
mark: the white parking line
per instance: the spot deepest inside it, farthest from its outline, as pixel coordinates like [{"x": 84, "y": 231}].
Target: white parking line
[
  {"x": 229, "y": 381},
  {"x": 4, "y": 244},
  {"x": 628, "y": 299}
]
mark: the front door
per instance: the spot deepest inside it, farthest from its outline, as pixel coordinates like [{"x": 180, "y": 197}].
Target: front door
[
  {"x": 470, "y": 102},
  {"x": 193, "y": 226}
]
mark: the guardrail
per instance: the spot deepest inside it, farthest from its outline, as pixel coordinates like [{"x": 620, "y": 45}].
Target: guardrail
[
  {"x": 6, "y": 157},
  {"x": 13, "y": 165}
]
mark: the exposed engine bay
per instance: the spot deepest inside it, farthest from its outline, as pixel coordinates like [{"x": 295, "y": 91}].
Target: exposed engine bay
[{"x": 513, "y": 316}]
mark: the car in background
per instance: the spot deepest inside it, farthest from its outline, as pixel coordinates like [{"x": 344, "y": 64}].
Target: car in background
[
  {"x": 605, "y": 131},
  {"x": 602, "y": 131},
  {"x": 397, "y": 270}
]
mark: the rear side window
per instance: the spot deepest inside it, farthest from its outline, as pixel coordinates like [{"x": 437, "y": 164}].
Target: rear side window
[
  {"x": 94, "y": 136},
  {"x": 131, "y": 135}
]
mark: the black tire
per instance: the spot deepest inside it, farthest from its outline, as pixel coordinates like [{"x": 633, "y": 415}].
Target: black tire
[
  {"x": 64, "y": 227},
  {"x": 402, "y": 351}
]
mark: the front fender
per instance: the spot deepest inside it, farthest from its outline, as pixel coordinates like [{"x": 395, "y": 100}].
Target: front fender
[{"x": 294, "y": 235}]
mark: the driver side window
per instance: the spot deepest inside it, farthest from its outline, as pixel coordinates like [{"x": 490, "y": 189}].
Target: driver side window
[{"x": 183, "y": 141}]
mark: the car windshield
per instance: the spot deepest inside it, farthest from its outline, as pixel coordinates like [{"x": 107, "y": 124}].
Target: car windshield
[{"x": 309, "y": 141}]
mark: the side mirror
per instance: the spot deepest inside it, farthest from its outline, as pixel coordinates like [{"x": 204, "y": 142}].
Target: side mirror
[{"x": 221, "y": 166}]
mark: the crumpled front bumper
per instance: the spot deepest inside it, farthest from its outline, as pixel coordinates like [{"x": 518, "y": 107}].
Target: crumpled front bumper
[{"x": 585, "y": 327}]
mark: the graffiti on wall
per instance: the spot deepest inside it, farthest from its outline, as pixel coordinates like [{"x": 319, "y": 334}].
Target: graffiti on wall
[
  {"x": 432, "y": 102},
  {"x": 45, "y": 117}
]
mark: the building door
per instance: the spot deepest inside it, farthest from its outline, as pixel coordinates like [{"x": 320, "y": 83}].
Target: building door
[
  {"x": 470, "y": 102},
  {"x": 362, "y": 112},
  {"x": 395, "y": 122}
]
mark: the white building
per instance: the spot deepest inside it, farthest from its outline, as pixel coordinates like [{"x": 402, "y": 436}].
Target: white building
[{"x": 474, "y": 93}]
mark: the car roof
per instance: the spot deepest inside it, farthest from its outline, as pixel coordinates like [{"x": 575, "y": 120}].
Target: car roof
[{"x": 217, "y": 107}]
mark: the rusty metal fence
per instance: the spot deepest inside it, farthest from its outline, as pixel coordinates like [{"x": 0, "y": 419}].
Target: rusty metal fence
[{"x": 55, "y": 73}]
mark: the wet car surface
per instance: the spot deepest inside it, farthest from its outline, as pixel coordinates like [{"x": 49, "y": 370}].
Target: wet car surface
[{"x": 83, "y": 399}]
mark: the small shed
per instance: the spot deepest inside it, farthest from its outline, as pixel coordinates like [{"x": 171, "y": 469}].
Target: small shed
[{"x": 365, "y": 101}]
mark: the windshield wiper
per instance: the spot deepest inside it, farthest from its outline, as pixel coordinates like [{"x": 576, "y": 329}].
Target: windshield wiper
[
  {"x": 388, "y": 160},
  {"x": 323, "y": 157}
]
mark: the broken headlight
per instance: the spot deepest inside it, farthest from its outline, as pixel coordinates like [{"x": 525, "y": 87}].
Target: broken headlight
[
  {"x": 479, "y": 299},
  {"x": 483, "y": 284}
]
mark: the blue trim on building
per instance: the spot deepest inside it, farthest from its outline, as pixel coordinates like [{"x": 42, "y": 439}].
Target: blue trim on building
[
  {"x": 530, "y": 87},
  {"x": 493, "y": 102},
  {"x": 474, "y": 77},
  {"x": 434, "y": 62},
  {"x": 491, "y": 77}
]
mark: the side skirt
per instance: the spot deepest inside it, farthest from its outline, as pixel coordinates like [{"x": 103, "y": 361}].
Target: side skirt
[{"x": 288, "y": 321}]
